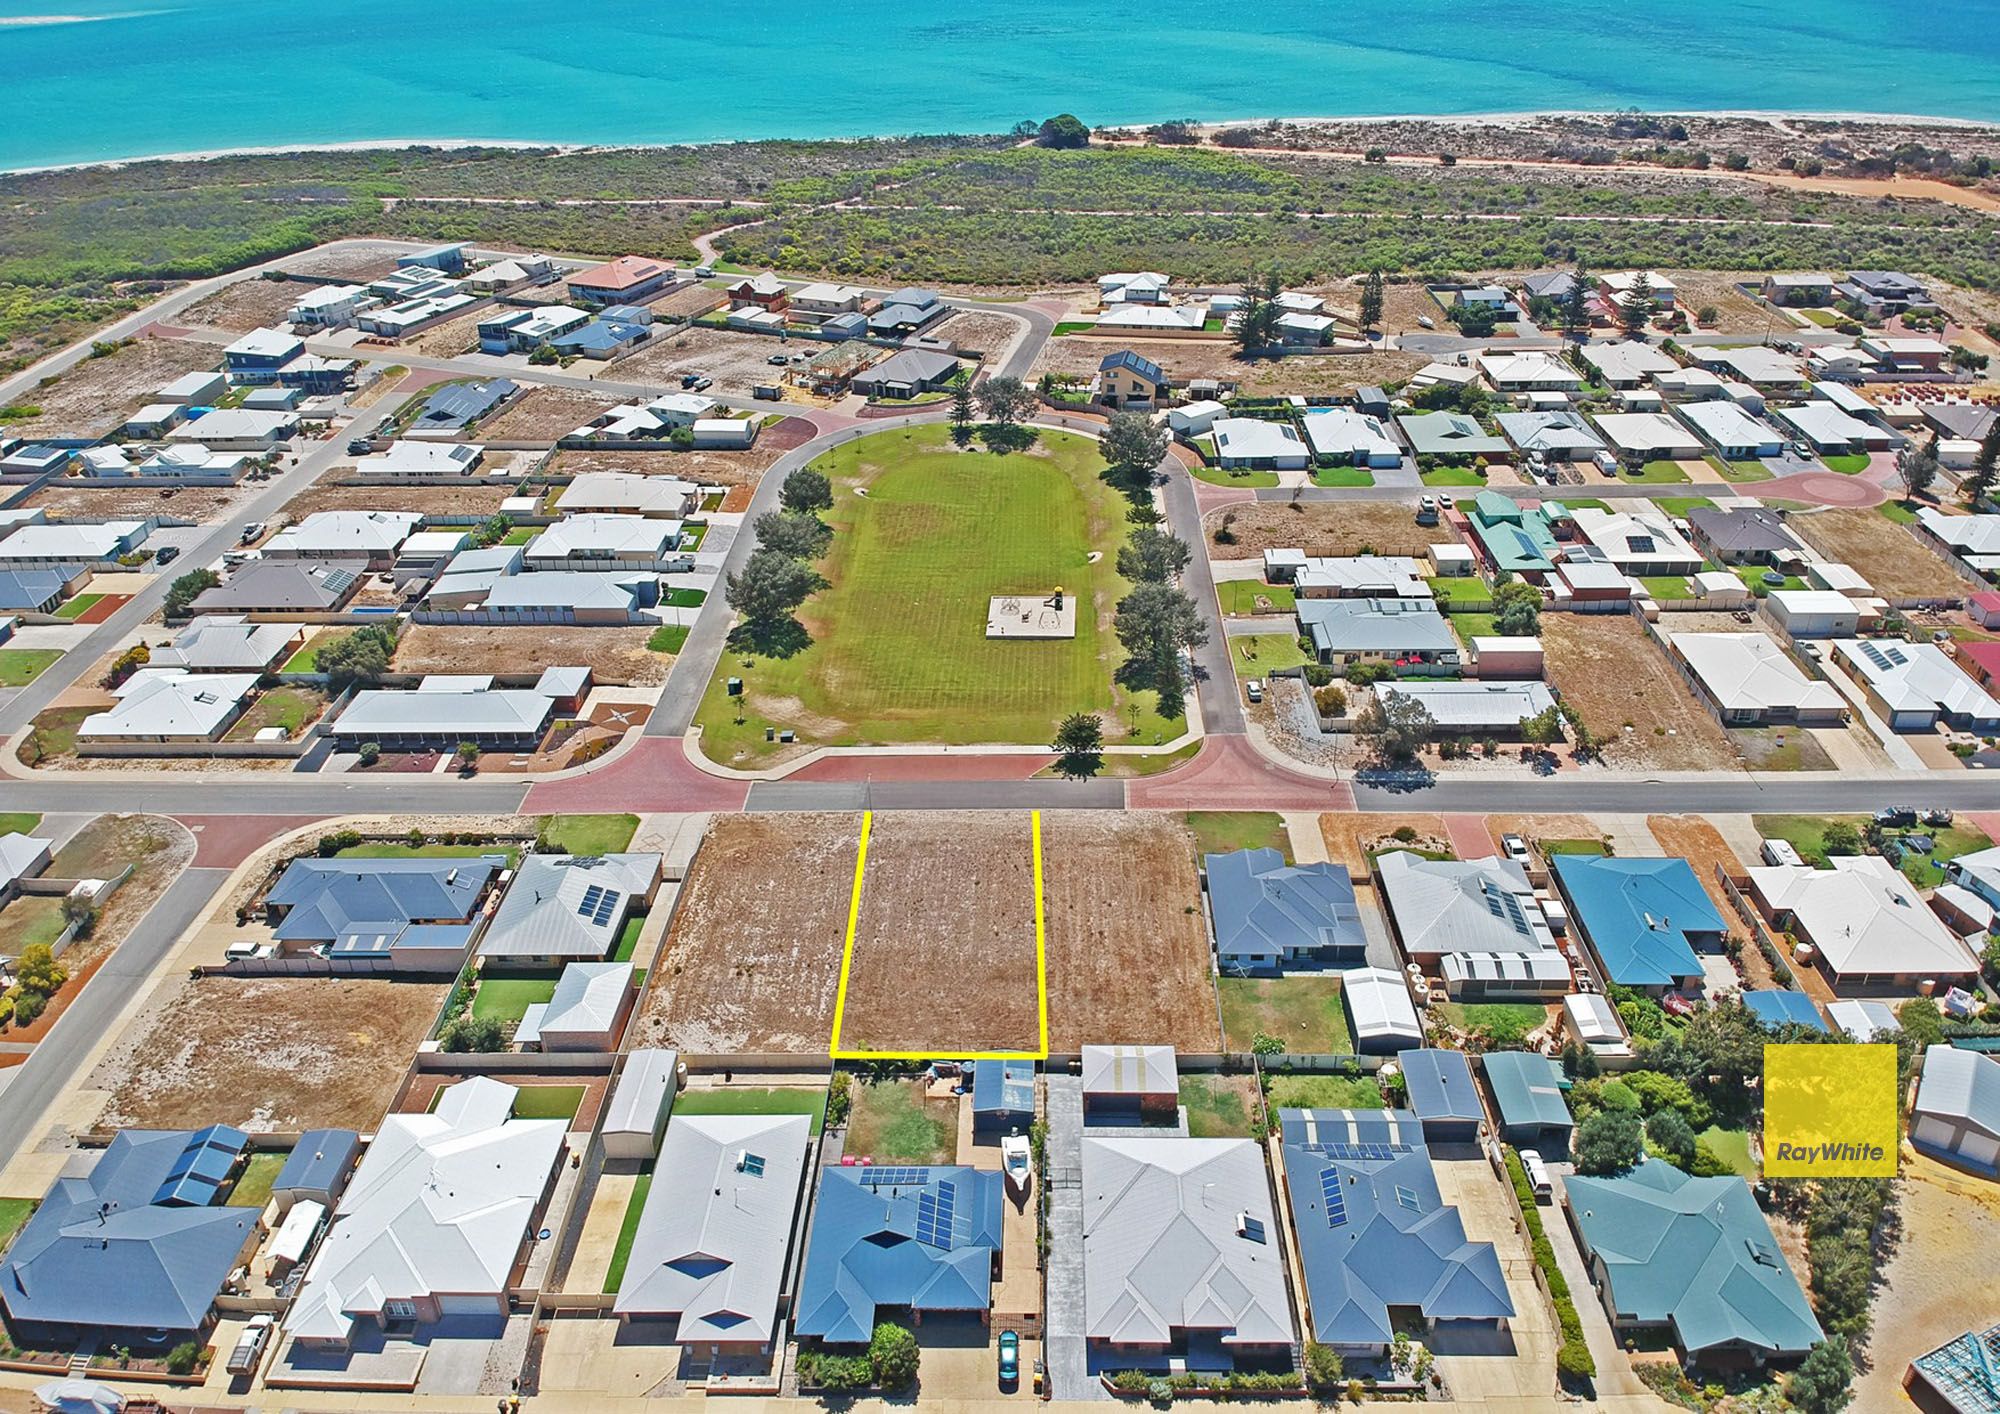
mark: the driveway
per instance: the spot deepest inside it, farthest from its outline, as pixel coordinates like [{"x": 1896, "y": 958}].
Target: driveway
[{"x": 1063, "y": 1319}]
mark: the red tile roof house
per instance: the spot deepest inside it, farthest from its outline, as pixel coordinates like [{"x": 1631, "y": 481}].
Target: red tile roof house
[
  {"x": 630, "y": 279},
  {"x": 1984, "y": 608}
]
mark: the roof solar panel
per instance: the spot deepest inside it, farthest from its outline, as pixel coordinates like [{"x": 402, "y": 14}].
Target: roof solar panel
[
  {"x": 588, "y": 904},
  {"x": 1336, "y": 1203}
]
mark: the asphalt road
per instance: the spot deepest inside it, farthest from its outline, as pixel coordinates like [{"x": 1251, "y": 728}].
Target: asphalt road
[{"x": 55, "y": 1060}]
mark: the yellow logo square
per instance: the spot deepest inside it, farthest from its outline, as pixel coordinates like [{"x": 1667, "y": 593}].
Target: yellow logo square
[{"x": 1830, "y": 1111}]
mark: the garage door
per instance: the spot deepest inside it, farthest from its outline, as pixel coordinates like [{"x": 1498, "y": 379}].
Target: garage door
[
  {"x": 468, "y": 1305},
  {"x": 1980, "y": 1149},
  {"x": 1934, "y": 1132}
]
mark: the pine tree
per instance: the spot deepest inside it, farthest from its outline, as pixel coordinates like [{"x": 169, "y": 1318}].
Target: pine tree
[
  {"x": 1978, "y": 482},
  {"x": 1371, "y": 300},
  {"x": 1635, "y": 311}
]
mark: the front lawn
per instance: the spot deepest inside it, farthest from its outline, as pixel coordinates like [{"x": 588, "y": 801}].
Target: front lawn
[
  {"x": 1235, "y": 476},
  {"x": 21, "y": 666},
  {"x": 1453, "y": 476},
  {"x": 1807, "y": 835},
  {"x": 1323, "y": 1092},
  {"x": 668, "y": 638},
  {"x": 397, "y": 849},
  {"x": 19, "y": 822},
  {"x": 752, "y": 1100},
  {"x": 508, "y": 998},
  {"x": 77, "y": 606},
  {"x": 1242, "y": 596},
  {"x": 1595, "y": 847},
  {"x": 590, "y": 834},
  {"x": 891, "y": 1121},
  {"x": 253, "y": 1186},
  {"x": 686, "y": 598},
  {"x": 1305, "y": 1013},
  {"x": 1343, "y": 476},
  {"x": 1901, "y": 512},
  {"x": 1740, "y": 471},
  {"x": 30, "y": 919},
  {"x": 899, "y": 651},
  {"x": 1256, "y": 654},
  {"x": 54, "y": 733},
  {"x": 1224, "y": 831},
  {"x": 628, "y": 1229},
  {"x": 14, "y": 1215},
  {"x": 1654, "y": 473},
  {"x": 1847, "y": 463},
  {"x": 1681, "y": 505}
]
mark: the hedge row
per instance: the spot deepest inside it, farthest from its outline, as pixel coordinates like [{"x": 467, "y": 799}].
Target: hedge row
[{"x": 1573, "y": 1358}]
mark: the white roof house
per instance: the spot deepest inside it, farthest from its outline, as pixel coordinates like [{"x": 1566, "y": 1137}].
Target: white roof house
[
  {"x": 622, "y": 492},
  {"x": 237, "y": 427},
  {"x": 190, "y": 460},
  {"x": 1476, "y": 706},
  {"x": 1756, "y": 365},
  {"x": 1825, "y": 428},
  {"x": 1380, "y": 1013},
  {"x": 1956, "y": 1116},
  {"x": 1247, "y": 441},
  {"x": 1153, "y": 316},
  {"x": 170, "y": 704},
  {"x": 587, "y": 542},
  {"x": 1639, "y": 543},
  {"x": 1193, "y": 419},
  {"x": 1865, "y": 918},
  {"x": 1975, "y": 539},
  {"x": 569, "y": 906},
  {"x": 435, "y": 1214},
  {"x": 1178, "y": 1240},
  {"x": 825, "y": 297},
  {"x": 1621, "y": 283},
  {"x": 1626, "y": 363},
  {"x": 1361, "y": 576},
  {"x": 1750, "y": 679},
  {"x": 1130, "y": 1071},
  {"x": 1650, "y": 435},
  {"x": 445, "y": 709},
  {"x": 712, "y": 1240},
  {"x": 70, "y": 542},
  {"x": 1559, "y": 434},
  {"x": 1918, "y": 684},
  {"x": 329, "y": 304},
  {"x": 584, "y": 1013},
  {"x": 1122, "y": 285},
  {"x": 226, "y": 643},
  {"x": 343, "y": 535},
  {"x": 1731, "y": 431},
  {"x": 1299, "y": 302},
  {"x": 1350, "y": 436},
  {"x": 1696, "y": 383},
  {"x": 1525, "y": 372},
  {"x": 407, "y": 458}
]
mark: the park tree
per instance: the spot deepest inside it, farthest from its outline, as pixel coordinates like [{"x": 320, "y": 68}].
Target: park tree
[
  {"x": 1395, "y": 727},
  {"x": 1134, "y": 444},
  {"x": 1977, "y": 483},
  {"x": 1635, "y": 311},
  {"x": 1371, "y": 300},
  {"x": 770, "y": 587},
  {"x": 1153, "y": 556},
  {"x": 1006, "y": 402},
  {"x": 1823, "y": 1383},
  {"x": 1157, "y": 623},
  {"x": 1079, "y": 745},
  {"x": 1517, "y": 609},
  {"x": 182, "y": 593},
  {"x": 1576, "y": 304},
  {"x": 1063, "y": 130},
  {"x": 1607, "y": 1143},
  {"x": 961, "y": 409},
  {"x": 802, "y": 536},
  {"x": 806, "y": 490},
  {"x": 1917, "y": 468}
]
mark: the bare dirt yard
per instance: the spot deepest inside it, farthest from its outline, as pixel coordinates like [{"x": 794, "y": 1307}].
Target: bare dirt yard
[
  {"x": 689, "y": 301},
  {"x": 268, "y": 1053},
  {"x": 1127, "y": 948},
  {"x": 979, "y": 331},
  {"x": 1307, "y": 374},
  {"x": 97, "y": 395},
  {"x": 431, "y": 500},
  {"x": 1535, "y": 828},
  {"x": 1735, "y": 312},
  {"x": 616, "y": 656},
  {"x": 734, "y": 360},
  {"x": 1319, "y": 528},
  {"x": 753, "y": 960},
  {"x": 544, "y": 414},
  {"x": 1888, "y": 555},
  {"x": 1630, "y": 695},
  {"x": 1350, "y": 838},
  {"x": 451, "y": 338},
  {"x": 337, "y": 263},
  {"x": 1692, "y": 838},
  {"x": 944, "y": 946},
  {"x": 710, "y": 468},
  {"x": 245, "y": 305},
  {"x": 70, "y": 499}
]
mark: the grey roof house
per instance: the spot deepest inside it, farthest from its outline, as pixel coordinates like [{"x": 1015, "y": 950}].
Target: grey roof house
[
  {"x": 1957, "y": 1114},
  {"x": 280, "y": 586},
  {"x": 1751, "y": 536},
  {"x": 564, "y": 907},
  {"x": 1375, "y": 1235},
  {"x": 1528, "y": 1092},
  {"x": 1408, "y": 632},
  {"x": 1268, "y": 915},
  {"x": 1442, "y": 1094},
  {"x": 906, "y": 373},
  {"x": 416, "y": 914}
]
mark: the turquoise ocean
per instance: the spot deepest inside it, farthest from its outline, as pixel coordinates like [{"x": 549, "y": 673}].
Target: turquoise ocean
[{"x": 87, "y": 80}]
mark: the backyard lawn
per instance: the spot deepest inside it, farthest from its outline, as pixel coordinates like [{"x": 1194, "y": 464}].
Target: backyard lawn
[
  {"x": 1471, "y": 626},
  {"x": 1753, "y": 580},
  {"x": 508, "y": 998},
  {"x": 288, "y": 708},
  {"x": 21, "y": 666},
  {"x": 547, "y": 1101},
  {"x": 1221, "y": 831},
  {"x": 1241, "y": 596},
  {"x": 590, "y": 834},
  {"x": 899, "y": 651},
  {"x": 1219, "y": 1106},
  {"x": 1256, "y": 654},
  {"x": 1323, "y": 1092},
  {"x": 1504, "y": 1023},
  {"x": 750, "y": 1100},
  {"x": 892, "y": 1122},
  {"x": 621, "y": 1253},
  {"x": 253, "y": 1187},
  {"x": 1667, "y": 586},
  {"x": 1451, "y": 589},
  {"x": 1732, "y": 1146},
  {"x": 1305, "y": 1013},
  {"x": 30, "y": 919}
]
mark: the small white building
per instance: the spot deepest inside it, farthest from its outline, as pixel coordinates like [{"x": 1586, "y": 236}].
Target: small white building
[
  {"x": 636, "y": 1115},
  {"x": 1195, "y": 419},
  {"x": 724, "y": 433},
  {"x": 1380, "y": 1014},
  {"x": 1814, "y": 613},
  {"x": 586, "y": 1012}
]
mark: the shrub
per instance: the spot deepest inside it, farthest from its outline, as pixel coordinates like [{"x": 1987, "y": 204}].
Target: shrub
[
  {"x": 893, "y": 1353},
  {"x": 1331, "y": 701},
  {"x": 332, "y": 844},
  {"x": 1160, "y": 1392},
  {"x": 468, "y": 1033},
  {"x": 1318, "y": 675},
  {"x": 839, "y": 1099},
  {"x": 1324, "y": 1370},
  {"x": 182, "y": 1359},
  {"x": 369, "y": 752}
]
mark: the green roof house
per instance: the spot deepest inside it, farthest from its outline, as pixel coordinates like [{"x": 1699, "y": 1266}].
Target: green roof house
[
  {"x": 1451, "y": 435},
  {"x": 1516, "y": 537},
  {"x": 1528, "y": 1091},
  {"x": 1692, "y": 1257}
]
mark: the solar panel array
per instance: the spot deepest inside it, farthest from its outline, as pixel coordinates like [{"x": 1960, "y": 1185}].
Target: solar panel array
[
  {"x": 880, "y": 1176},
  {"x": 1336, "y": 1203},
  {"x": 1353, "y": 1152},
  {"x": 934, "y": 1215},
  {"x": 598, "y": 904}
]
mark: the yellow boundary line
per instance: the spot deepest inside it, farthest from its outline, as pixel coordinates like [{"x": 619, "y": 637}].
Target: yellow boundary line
[{"x": 847, "y": 962}]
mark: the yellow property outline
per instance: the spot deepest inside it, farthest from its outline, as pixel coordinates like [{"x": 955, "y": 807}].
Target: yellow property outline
[{"x": 847, "y": 961}]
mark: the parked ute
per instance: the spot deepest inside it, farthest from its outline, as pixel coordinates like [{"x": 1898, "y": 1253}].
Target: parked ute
[
  {"x": 249, "y": 1345},
  {"x": 1516, "y": 847}
]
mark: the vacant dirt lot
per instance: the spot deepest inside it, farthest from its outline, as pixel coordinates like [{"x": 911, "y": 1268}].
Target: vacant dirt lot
[
  {"x": 431, "y": 500},
  {"x": 1630, "y": 695},
  {"x": 336, "y": 263},
  {"x": 617, "y": 656},
  {"x": 451, "y": 338},
  {"x": 1320, "y": 528},
  {"x": 979, "y": 331},
  {"x": 1893, "y": 560},
  {"x": 544, "y": 414},
  {"x": 1535, "y": 828},
  {"x": 733, "y": 360},
  {"x": 97, "y": 395},
  {"x": 1183, "y": 359},
  {"x": 944, "y": 947},
  {"x": 1736, "y": 312},
  {"x": 753, "y": 960},
  {"x": 1127, "y": 947},
  {"x": 64, "y": 499},
  {"x": 708, "y": 468},
  {"x": 268, "y": 1053},
  {"x": 245, "y": 305}
]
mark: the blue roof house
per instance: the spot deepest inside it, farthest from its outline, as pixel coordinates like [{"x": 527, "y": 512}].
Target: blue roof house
[
  {"x": 1644, "y": 918},
  {"x": 1775, "y": 1007},
  {"x": 1528, "y": 1092},
  {"x": 1376, "y": 1237},
  {"x": 1269, "y": 915},
  {"x": 418, "y": 913},
  {"x": 1443, "y": 1095},
  {"x": 317, "y": 1168},
  {"x": 1003, "y": 1096},
  {"x": 137, "y": 1245},
  {"x": 902, "y": 1241},
  {"x": 1691, "y": 1257}
]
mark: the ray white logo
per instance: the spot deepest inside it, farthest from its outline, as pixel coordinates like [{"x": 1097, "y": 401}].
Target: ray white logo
[
  {"x": 1828, "y": 1153},
  {"x": 1830, "y": 1111}
]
